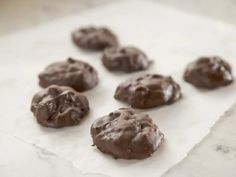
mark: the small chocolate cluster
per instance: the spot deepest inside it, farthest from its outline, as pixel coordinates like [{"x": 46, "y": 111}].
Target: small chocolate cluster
[
  {"x": 59, "y": 106},
  {"x": 209, "y": 73},
  {"x": 150, "y": 90},
  {"x": 126, "y": 134}
]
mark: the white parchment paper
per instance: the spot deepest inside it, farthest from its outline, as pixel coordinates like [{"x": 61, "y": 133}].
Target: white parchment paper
[{"x": 171, "y": 38}]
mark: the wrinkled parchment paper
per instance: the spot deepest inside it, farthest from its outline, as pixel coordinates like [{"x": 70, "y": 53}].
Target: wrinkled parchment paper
[
  {"x": 215, "y": 155},
  {"x": 169, "y": 37}
]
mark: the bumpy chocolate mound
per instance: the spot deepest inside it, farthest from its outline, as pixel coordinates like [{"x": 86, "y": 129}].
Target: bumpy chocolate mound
[
  {"x": 94, "y": 38},
  {"x": 126, "y": 134},
  {"x": 59, "y": 106},
  {"x": 127, "y": 59},
  {"x": 209, "y": 73},
  {"x": 74, "y": 73},
  {"x": 148, "y": 91}
]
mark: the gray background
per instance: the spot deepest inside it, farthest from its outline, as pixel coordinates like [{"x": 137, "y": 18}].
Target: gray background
[{"x": 21, "y": 14}]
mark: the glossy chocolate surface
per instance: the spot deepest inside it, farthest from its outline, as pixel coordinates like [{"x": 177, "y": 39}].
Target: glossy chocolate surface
[
  {"x": 127, "y": 59},
  {"x": 79, "y": 75},
  {"x": 94, "y": 38},
  {"x": 148, "y": 91},
  {"x": 126, "y": 134},
  {"x": 59, "y": 106},
  {"x": 209, "y": 72}
]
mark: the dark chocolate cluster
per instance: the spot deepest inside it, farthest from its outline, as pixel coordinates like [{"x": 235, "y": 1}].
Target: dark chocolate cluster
[
  {"x": 94, "y": 38},
  {"x": 148, "y": 91},
  {"x": 79, "y": 75},
  {"x": 127, "y": 59},
  {"x": 126, "y": 134},
  {"x": 209, "y": 73},
  {"x": 59, "y": 106}
]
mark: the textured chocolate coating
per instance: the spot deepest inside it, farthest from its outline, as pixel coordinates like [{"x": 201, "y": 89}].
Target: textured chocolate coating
[
  {"x": 126, "y": 134},
  {"x": 148, "y": 91},
  {"x": 127, "y": 59},
  {"x": 59, "y": 106},
  {"x": 74, "y": 73},
  {"x": 94, "y": 38},
  {"x": 209, "y": 73}
]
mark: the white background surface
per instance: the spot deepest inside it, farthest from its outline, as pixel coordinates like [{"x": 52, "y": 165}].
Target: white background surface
[
  {"x": 30, "y": 13},
  {"x": 171, "y": 38}
]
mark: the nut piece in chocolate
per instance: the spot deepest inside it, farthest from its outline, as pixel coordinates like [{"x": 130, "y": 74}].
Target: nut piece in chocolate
[
  {"x": 94, "y": 38},
  {"x": 148, "y": 91},
  {"x": 209, "y": 73},
  {"x": 59, "y": 106},
  {"x": 73, "y": 73},
  {"x": 127, "y": 59},
  {"x": 126, "y": 134}
]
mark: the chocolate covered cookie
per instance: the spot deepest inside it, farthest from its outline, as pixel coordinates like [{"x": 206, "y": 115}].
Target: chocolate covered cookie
[
  {"x": 126, "y": 134},
  {"x": 74, "y": 73},
  {"x": 94, "y": 38},
  {"x": 148, "y": 91},
  {"x": 59, "y": 106},
  {"x": 209, "y": 72},
  {"x": 127, "y": 59}
]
